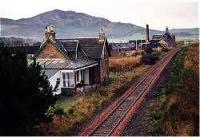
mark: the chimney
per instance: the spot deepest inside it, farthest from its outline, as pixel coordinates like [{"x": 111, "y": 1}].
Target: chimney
[
  {"x": 166, "y": 30},
  {"x": 147, "y": 33},
  {"x": 50, "y": 32},
  {"x": 101, "y": 35}
]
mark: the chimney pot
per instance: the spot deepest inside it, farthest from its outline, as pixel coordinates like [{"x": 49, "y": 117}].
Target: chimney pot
[
  {"x": 50, "y": 32},
  {"x": 101, "y": 35}
]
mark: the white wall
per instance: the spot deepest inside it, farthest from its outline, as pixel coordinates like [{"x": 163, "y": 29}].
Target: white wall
[{"x": 53, "y": 80}]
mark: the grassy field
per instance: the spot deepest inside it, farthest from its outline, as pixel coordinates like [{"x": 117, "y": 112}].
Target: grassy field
[
  {"x": 175, "y": 111},
  {"x": 124, "y": 63}
]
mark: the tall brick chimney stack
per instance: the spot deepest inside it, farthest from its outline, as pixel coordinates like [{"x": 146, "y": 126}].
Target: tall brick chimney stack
[
  {"x": 147, "y": 33},
  {"x": 50, "y": 32},
  {"x": 166, "y": 29}
]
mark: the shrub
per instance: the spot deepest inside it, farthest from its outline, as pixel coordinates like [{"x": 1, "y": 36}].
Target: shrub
[
  {"x": 150, "y": 58},
  {"x": 26, "y": 94},
  {"x": 59, "y": 111},
  {"x": 106, "y": 82},
  {"x": 71, "y": 111}
]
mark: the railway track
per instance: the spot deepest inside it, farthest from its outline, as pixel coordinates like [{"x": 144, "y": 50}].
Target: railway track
[{"x": 113, "y": 120}]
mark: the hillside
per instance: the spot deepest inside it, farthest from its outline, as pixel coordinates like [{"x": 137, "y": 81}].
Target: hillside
[{"x": 68, "y": 24}]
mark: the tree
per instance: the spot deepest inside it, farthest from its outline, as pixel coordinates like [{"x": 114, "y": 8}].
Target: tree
[{"x": 25, "y": 94}]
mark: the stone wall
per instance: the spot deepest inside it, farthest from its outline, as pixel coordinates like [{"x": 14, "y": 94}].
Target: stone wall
[
  {"x": 104, "y": 68},
  {"x": 50, "y": 51}
]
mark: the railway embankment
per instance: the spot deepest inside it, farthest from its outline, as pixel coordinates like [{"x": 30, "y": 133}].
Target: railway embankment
[
  {"x": 172, "y": 106},
  {"x": 114, "y": 118}
]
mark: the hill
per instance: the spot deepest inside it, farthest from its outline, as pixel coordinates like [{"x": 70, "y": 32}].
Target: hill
[{"x": 70, "y": 24}]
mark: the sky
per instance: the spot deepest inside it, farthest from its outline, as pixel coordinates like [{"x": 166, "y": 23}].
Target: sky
[{"x": 157, "y": 13}]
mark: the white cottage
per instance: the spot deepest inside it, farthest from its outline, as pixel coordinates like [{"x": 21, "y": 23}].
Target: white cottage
[{"x": 66, "y": 62}]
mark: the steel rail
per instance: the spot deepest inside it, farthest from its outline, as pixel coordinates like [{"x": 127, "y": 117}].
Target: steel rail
[{"x": 98, "y": 122}]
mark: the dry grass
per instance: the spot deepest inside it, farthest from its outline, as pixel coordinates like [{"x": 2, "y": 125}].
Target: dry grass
[
  {"x": 82, "y": 108},
  {"x": 124, "y": 63},
  {"x": 191, "y": 59},
  {"x": 178, "y": 102}
]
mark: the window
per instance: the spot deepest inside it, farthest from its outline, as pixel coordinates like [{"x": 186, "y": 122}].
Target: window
[
  {"x": 68, "y": 79},
  {"x": 82, "y": 74},
  {"x": 64, "y": 79},
  {"x": 77, "y": 76}
]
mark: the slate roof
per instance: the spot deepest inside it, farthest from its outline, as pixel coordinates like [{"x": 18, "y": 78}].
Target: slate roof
[
  {"x": 157, "y": 36},
  {"x": 169, "y": 39},
  {"x": 65, "y": 64},
  {"x": 122, "y": 46},
  {"x": 68, "y": 45},
  {"x": 91, "y": 46},
  {"x": 93, "y": 51},
  {"x": 86, "y": 41},
  {"x": 88, "y": 50}
]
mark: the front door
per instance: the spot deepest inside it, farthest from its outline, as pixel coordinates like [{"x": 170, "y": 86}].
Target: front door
[{"x": 94, "y": 75}]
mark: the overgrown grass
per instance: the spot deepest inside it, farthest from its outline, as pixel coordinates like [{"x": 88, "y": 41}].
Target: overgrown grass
[
  {"x": 175, "y": 110},
  {"x": 79, "y": 108},
  {"x": 124, "y": 63}
]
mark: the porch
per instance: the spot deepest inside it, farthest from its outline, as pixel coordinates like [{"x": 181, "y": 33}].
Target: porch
[{"x": 64, "y": 77}]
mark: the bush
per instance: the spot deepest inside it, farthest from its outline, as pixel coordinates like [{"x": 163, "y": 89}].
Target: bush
[
  {"x": 66, "y": 92},
  {"x": 25, "y": 94},
  {"x": 150, "y": 58},
  {"x": 71, "y": 111},
  {"x": 59, "y": 111},
  {"x": 157, "y": 129},
  {"x": 106, "y": 82}
]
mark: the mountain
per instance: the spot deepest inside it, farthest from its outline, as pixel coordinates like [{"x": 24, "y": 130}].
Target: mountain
[
  {"x": 68, "y": 24},
  {"x": 185, "y": 32}
]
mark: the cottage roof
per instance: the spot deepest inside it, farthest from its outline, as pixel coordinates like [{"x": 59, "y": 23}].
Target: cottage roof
[
  {"x": 57, "y": 44},
  {"x": 122, "y": 46},
  {"x": 90, "y": 46},
  {"x": 157, "y": 36},
  {"x": 94, "y": 52},
  {"x": 67, "y": 44},
  {"x": 85, "y": 41},
  {"x": 65, "y": 64}
]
